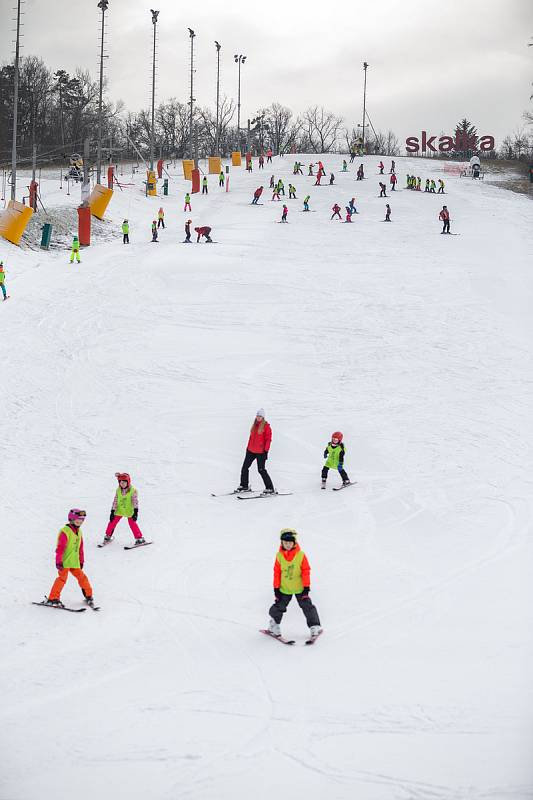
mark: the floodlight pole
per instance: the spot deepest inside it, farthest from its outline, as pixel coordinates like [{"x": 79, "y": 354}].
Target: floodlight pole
[
  {"x": 103, "y": 4},
  {"x": 239, "y": 59},
  {"x": 191, "y": 101},
  {"x": 217, "y": 133},
  {"x": 155, "y": 14},
  {"x": 365, "y": 67},
  {"x": 15, "y": 109}
]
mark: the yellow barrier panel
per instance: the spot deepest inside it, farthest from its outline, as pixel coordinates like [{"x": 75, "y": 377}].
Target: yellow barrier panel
[
  {"x": 13, "y": 221},
  {"x": 236, "y": 159},
  {"x": 215, "y": 165},
  {"x": 151, "y": 183},
  {"x": 99, "y": 200},
  {"x": 188, "y": 166}
]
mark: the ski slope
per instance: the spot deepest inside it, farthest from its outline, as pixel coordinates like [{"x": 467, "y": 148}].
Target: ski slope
[{"x": 152, "y": 359}]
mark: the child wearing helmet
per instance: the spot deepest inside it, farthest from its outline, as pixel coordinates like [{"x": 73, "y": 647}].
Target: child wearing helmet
[
  {"x": 125, "y": 232},
  {"x": 154, "y": 230},
  {"x": 292, "y": 576},
  {"x": 3, "y": 280},
  {"x": 70, "y": 558},
  {"x": 334, "y": 455},
  {"x": 125, "y": 504},
  {"x": 75, "y": 252},
  {"x": 188, "y": 230}
]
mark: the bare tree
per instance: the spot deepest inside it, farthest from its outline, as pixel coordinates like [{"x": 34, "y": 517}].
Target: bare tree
[{"x": 320, "y": 129}]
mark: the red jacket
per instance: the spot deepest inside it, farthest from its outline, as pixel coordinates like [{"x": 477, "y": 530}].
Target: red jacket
[
  {"x": 258, "y": 192},
  {"x": 288, "y": 555},
  {"x": 444, "y": 214},
  {"x": 259, "y": 441}
]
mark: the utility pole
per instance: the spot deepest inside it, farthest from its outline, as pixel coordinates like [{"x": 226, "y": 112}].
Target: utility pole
[
  {"x": 217, "y": 134},
  {"x": 365, "y": 67},
  {"x": 239, "y": 59},
  {"x": 155, "y": 14},
  {"x": 86, "y": 184},
  {"x": 103, "y": 4},
  {"x": 191, "y": 101},
  {"x": 15, "y": 109}
]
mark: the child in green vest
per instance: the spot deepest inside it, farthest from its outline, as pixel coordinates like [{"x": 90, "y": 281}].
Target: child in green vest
[
  {"x": 187, "y": 206},
  {"x": 125, "y": 504},
  {"x": 3, "y": 280},
  {"x": 221, "y": 179},
  {"x": 334, "y": 453},
  {"x": 125, "y": 232},
  {"x": 154, "y": 230},
  {"x": 306, "y": 202},
  {"x": 70, "y": 558},
  {"x": 204, "y": 185},
  {"x": 292, "y": 576},
  {"x": 75, "y": 250}
]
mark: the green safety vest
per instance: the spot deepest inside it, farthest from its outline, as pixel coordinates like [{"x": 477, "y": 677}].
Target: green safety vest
[
  {"x": 334, "y": 456},
  {"x": 125, "y": 227},
  {"x": 306, "y": 199},
  {"x": 2, "y": 276},
  {"x": 204, "y": 181},
  {"x": 76, "y": 244},
  {"x": 125, "y": 503},
  {"x": 71, "y": 556},
  {"x": 187, "y": 198},
  {"x": 291, "y": 573}
]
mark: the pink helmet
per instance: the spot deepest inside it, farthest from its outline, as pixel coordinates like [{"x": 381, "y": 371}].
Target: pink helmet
[{"x": 76, "y": 513}]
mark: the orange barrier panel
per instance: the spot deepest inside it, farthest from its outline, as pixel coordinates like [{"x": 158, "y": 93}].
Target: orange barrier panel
[
  {"x": 195, "y": 176},
  {"x": 188, "y": 166},
  {"x": 13, "y": 221},
  {"x": 236, "y": 159},
  {"x": 215, "y": 165},
  {"x": 84, "y": 225},
  {"x": 99, "y": 200}
]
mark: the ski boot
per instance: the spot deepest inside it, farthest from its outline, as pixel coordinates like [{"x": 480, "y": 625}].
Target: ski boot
[
  {"x": 315, "y": 630},
  {"x": 242, "y": 489},
  {"x": 347, "y": 482},
  {"x": 90, "y": 601},
  {"x": 54, "y": 603},
  {"x": 323, "y": 486},
  {"x": 107, "y": 540},
  {"x": 274, "y": 628},
  {"x": 142, "y": 540},
  {"x": 268, "y": 491}
]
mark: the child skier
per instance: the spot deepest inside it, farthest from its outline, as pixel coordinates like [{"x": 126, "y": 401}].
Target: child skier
[
  {"x": 187, "y": 206},
  {"x": 336, "y": 211},
  {"x": 70, "y": 558},
  {"x": 311, "y": 170},
  {"x": 432, "y": 186},
  {"x": 344, "y": 165},
  {"x": 393, "y": 180},
  {"x": 204, "y": 185},
  {"x": 161, "y": 218},
  {"x": 281, "y": 187},
  {"x": 125, "y": 232},
  {"x": 383, "y": 192},
  {"x": 204, "y": 231},
  {"x": 292, "y": 192},
  {"x": 269, "y": 155},
  {"x": 284, "y": 214},
  {"x": 392, "y": 167},
  {"x": 441, "y": 186},
  {"x": 275, "y": 193},
  {"x": 331, "y": 179},
  {"x": 125, "y": 504},
  {"x": 257, "y": 194},
  {"x": 257, "y": 448},
  {"x": 154, "y": 230},
  {"x": 306, "y": 202},
  {"x": 387, "y": 213},
  {"x": 75, "y": 252},
  {"x": 3, "y": 280},
  {"x": 272, "y": 184},
  {"x": 261, "y": 161},
  {"x": 188, "y": 231},
  {"x": 353, "y": 209},
  {"x": 348, "y": 214},
  {"x": 426, "y": 189},
  {"x": 381, "y": 167},
  {"x": 334, "y": 453},
  {"x": 292, "y": 576},
  {"x": 221, "y": 179}
]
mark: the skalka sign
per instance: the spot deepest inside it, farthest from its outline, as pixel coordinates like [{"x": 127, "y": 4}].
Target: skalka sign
[{"x": 447, "y": 144}]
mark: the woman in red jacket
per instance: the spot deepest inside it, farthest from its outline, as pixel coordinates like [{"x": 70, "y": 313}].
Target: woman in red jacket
[{"x": 258, "y": 447}]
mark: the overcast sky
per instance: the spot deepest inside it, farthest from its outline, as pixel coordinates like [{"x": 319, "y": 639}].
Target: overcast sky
[{"x": 431, "y": 62}]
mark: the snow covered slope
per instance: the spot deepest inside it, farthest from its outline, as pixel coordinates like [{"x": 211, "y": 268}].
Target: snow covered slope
[{"x": 153, "y": 359}]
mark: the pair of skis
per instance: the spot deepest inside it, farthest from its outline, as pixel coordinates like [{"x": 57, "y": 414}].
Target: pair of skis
[
  {"x": 65, "y": 608},
  {"x": 127, "y": 546},
  {"x": 282, "y": 639},
  {"x": 250, "y": 494}
]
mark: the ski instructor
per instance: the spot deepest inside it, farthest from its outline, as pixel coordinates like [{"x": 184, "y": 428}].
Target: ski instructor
[{"x": 257, "y": 448}]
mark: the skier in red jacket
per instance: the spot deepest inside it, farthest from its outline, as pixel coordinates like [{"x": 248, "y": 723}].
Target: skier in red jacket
[
  {"x": 336, "y": 211},
  {"x": 257, "y": 449},
  {"x": 257, "y": 194},
  {"x": 204, "y": 231},
  {"x": 444, "y": 216},
  {"x": 393, "y": 180},
  {"x": 381, "y": 167}
]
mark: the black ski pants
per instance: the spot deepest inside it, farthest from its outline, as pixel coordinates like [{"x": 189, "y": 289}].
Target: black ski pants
[
  {"x": 446, "y": 226},
  {"x": 125, "y": 238},
  {"x": 279, "y": 607},
  {"x": 342, "y": 473},
  {"x": 160, "y": 222},
  {"x": 249, "y": 459}
]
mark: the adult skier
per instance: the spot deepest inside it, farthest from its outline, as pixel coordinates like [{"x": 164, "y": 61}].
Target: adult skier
[
  {"x": 154, "y": 230},
  {"x": 269, "y": 156},
  {"x": 257, "y": 194},
  {"x": 334, "y": 455},
  {"x": 204, "y": 185},
  {"x": 75, "y": 251},
  {"x": 257, "y": 449},
  {"x": 70, "y": 558},
  {"x": 284, "y": 213},
  {"x": 292, "y": 577},
  {"x": 125, "y": 504},
  {"x": 187, "y": 206},
  {"x": 387, "y": 213},
  {"x": 306, "y": 202},
  {"x": 161, "y": 218},
  {"x": 188, "y": 231},
  {"x": 204, "y": 231},
  {"x": 336, "y": 211},
  {"x": 393, "y": 179},
  {"x": 444, "y": 216},
  {"x": 3, "y": 280},
  {"x": 383, "y": 192},
  {"x": 125, "y": 232},
  {"x": 353, "y": 209}
]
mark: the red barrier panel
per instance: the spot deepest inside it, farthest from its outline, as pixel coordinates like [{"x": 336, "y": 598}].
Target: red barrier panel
[
  {"x": 84, "y": 225},
  {"x": 33, "y": 194},
  {"x": 160, "y": 168},
  {"x": 110, "y": 172},
  {"x": 195, "y": 175}
]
